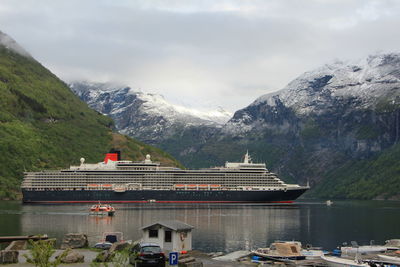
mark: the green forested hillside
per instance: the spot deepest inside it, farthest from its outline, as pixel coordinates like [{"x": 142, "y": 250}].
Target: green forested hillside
[
  {"x": 376, "y": 178},
  {"x": 43, "y": 125}
]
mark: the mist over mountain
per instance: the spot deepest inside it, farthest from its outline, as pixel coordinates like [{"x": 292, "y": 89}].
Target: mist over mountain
[{"x": 9, "y": 43}]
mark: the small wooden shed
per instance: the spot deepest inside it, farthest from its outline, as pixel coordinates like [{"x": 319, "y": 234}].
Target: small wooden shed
[{"x": 170, "y": 235}]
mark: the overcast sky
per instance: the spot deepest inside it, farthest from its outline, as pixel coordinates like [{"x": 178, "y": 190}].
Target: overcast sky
[{"x": 199, "y": 53}]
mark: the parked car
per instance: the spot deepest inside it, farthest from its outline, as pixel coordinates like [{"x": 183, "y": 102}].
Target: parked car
[{"x": 147, "y": 255}]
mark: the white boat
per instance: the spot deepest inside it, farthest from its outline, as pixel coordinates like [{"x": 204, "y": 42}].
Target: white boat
[
  {"x": 389, "y": 259},
  {"x": 363, "y": 250},
  {"x": 341, "y": 262},
  {"x": 312, "y": 254},
  {"x": 356, "y": 249},
  {"x": 392, "y": 244}
]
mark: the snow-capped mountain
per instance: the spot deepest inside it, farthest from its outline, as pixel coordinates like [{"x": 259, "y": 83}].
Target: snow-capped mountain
[
  {"x": 146, "y": 116},
  {"x": 359, "y": 85},
  {"x": 367, "y": 80}
]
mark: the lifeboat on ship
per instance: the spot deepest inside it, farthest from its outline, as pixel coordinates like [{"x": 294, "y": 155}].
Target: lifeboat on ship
[{"x": 102, "y": 209}]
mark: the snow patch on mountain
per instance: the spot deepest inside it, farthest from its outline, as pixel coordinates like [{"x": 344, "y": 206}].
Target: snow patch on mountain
[
  {"x": 117, "y": 100},
  {"x": 366, "y": 80},
  {"x": 158, "y": 105}
]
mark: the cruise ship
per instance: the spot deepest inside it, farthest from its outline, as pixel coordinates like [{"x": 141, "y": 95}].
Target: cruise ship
[{"x": 120, "y": 181}]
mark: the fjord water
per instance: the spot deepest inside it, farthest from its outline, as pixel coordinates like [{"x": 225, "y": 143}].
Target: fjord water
[{"x": 217, "y": 227}]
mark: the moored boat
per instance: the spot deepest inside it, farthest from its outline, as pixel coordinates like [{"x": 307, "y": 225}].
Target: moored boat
[
  {"x": 368, "y": 249},
  {"x": 281, "y": 251},
  {"x": 390, "y": 259},
  {"x": 312, "y": 254},
  {"x": 392, "y": 244},
  {"x": 342, "y": 262}
]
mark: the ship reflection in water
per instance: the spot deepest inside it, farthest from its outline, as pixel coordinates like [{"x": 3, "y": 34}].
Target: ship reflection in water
[{"x": 217, "y": 227}]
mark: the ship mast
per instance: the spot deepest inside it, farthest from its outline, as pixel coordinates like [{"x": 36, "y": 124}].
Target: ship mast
[{"x": 247, "y": 158}]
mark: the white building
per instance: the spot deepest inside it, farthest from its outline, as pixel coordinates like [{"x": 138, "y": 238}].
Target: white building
[{"x": 173, "y": 236}]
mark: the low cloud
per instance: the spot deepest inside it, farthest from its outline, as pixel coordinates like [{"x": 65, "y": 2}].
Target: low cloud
[{"x": 199, "y": 53}]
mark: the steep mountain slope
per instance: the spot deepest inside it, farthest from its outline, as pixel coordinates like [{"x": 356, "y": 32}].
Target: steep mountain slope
[
  {"x": 148, "y": 117},
  {"x": 43, "y": 125}
]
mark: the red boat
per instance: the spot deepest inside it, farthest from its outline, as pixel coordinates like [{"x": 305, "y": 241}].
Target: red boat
[{"x": 102, "y": 209}]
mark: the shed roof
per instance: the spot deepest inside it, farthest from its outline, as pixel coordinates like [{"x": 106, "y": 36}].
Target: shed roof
[{"x": 174, "y": 225}]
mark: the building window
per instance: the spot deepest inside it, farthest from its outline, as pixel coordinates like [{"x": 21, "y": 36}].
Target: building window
[
  {"x": 168, "y": 236},
  {"x": 153, "y": 233}
]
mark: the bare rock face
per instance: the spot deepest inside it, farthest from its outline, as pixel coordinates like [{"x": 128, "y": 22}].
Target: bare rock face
[
  {"x": 73, "y": 257},
  {"x": 8, "y": 256},
  {"x": 72, "y": 240}
]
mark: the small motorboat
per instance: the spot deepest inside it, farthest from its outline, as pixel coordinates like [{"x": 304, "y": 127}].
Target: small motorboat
[
  {"x": 312, "y": 254},
  {"x": 341, "y": 262},
  {"x": 355, "y": 248},
  {"x": 281, "y": 251},
  {"x": 392, "y": 244},
  {"x": 102, "y": 209}
]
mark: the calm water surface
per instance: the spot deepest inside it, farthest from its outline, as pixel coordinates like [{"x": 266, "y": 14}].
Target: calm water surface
[{"x": 217, "y": 227}]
